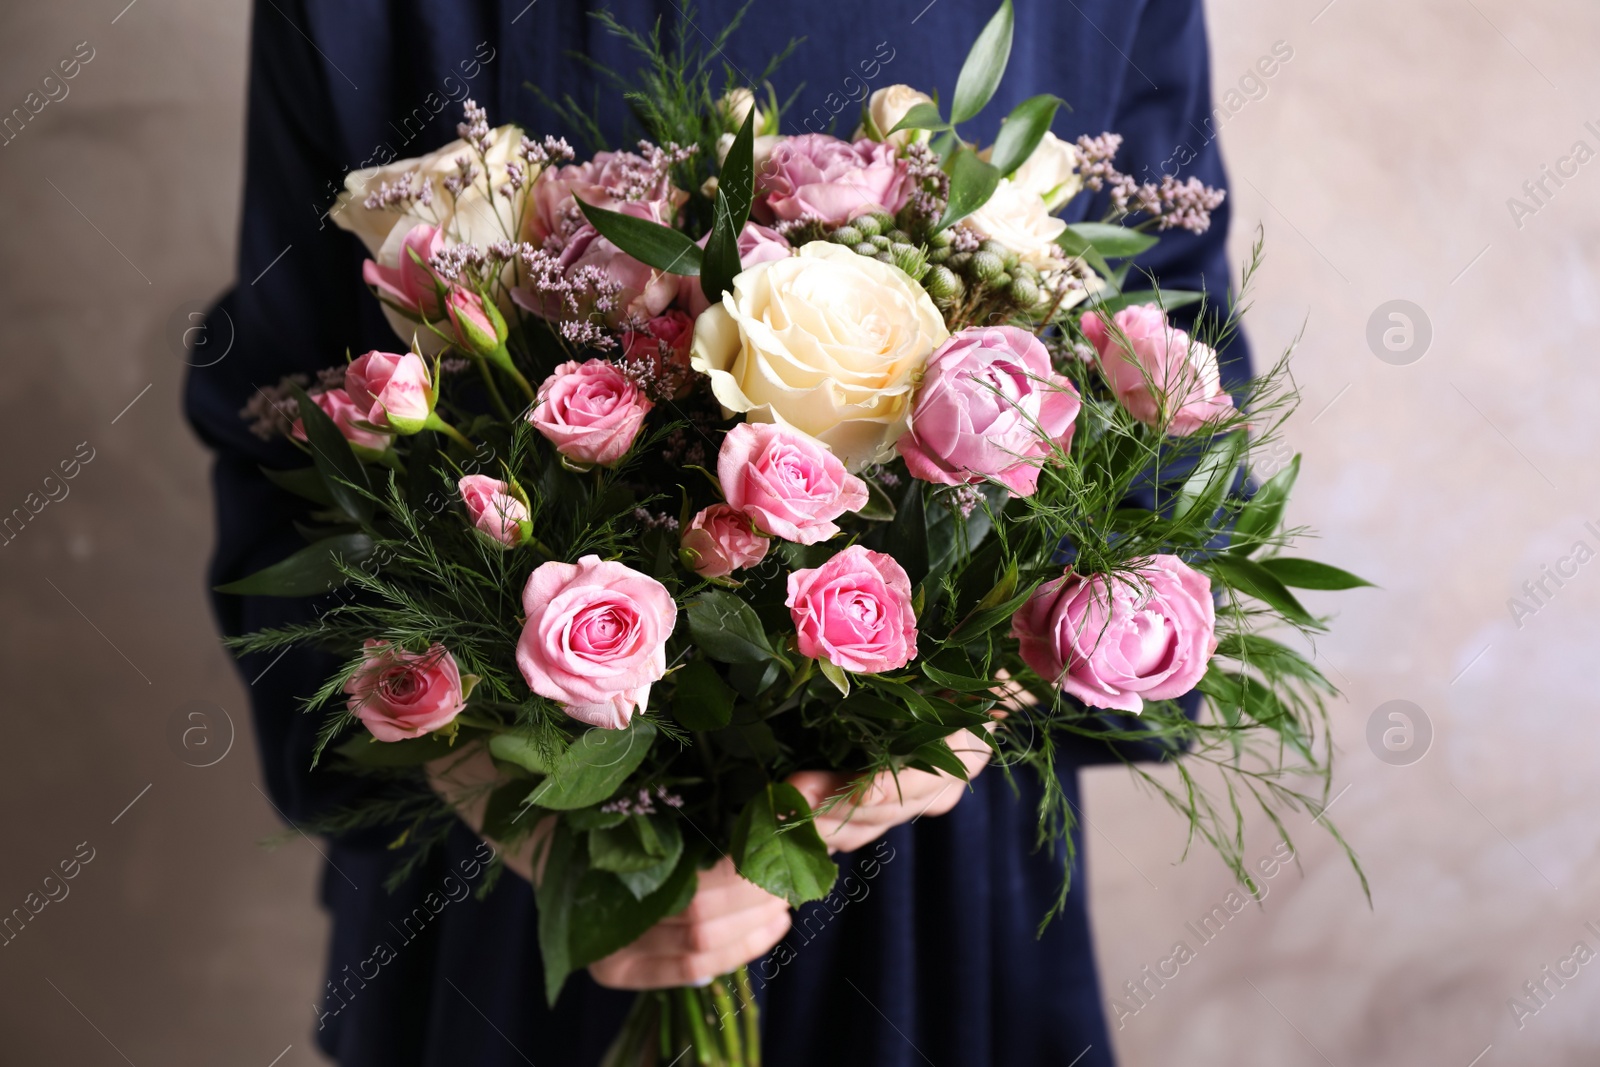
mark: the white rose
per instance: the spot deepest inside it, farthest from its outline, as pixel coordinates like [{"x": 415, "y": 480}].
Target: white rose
[
  {"x": 761, "y": 147},
  {"x": 826, "y": 341},
  {"x": 885, "y": 108},
  {"x": 475, "y": 217},
  {"x": 736, "y": 105},
  {"x": 1051, "y": 172},
  {"x": 1017, "y": 218}
]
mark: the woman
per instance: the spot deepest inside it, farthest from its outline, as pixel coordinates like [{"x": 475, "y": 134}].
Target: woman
[{"x": 927, "y": 953}]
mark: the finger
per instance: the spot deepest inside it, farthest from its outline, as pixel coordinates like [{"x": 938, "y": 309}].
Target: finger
[
  {"x": 680, "y": 939},
  {"x": 817, "y": 786},
  {"x": 635, "y": 971}
]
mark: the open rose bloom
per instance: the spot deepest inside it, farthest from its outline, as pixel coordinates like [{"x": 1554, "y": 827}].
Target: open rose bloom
[
  {"x": 399, "y": 695},
  {"x": 855, "y": 612},
  {"x": 1161, "y": 375}
]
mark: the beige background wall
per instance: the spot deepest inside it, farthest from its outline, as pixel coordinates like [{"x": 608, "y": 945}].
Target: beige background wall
[{"x": 1379, "y": 159}]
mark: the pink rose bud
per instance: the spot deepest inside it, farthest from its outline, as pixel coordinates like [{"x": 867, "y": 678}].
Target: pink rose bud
[
  {"x": 595, "y": 639},
  {"x": 590, "y": 411},
  {"x": 1162, "y": 376},
  {"x": 663, "y": 348},
  {"x": 479, "y": 327},
  {"x": 855, "y": 612},
  {"x": 395, "y": 391},
  {"x": 818, "y": 176},
  {"x": 789, "y": 484},
  {"x": 400, "y": 694},
  {"x": 1115, "y": 642},
  {"x": 989, "y": 406},
  {"x": 411, "y": 287},
  {"x": 336, "y": 404},
  {"x": 494, "y": 511},
  {"x": 720, "y": 541}
]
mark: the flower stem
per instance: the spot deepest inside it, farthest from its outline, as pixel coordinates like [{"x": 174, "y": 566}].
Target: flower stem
[
  {"x": 727, "y": 1024},
  {"x": 494, "y": 390},
  {"x": 748, "y": 1018},
  {"x": 436, "y": 423}
]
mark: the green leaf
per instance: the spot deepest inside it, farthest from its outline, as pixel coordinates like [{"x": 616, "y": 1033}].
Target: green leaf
[
  {"x": 1309, "y": 574},
  {"x": 505, "y": 814},
  {"x": 592, "y": 768},
  {"x": 725, "y": 628},
  {"x": 612, "y": 917},
  {"x": 555, "y": 893},
  {"x": 908, "y": 534},
  {"x": 1208, "y": 483},
  {"x": 341, "y": 471},
  {"x": 879, "y": 508},
  {"x": 923, "y": 116},
  {"x": 982, "y": 620},
  {"x": 651, "y": 243},
  {"x": 836, "y": 675},
  {"x": 1259, "y": 518},
  {"x": 308, "y": 572},
  {"x": 637, "y": 844},
  {"x": 1234, "y": 692},
  {"x": 1252, "y": 579},
  {"x": 939, "y": 756},
  {"x": 1109, "y": 239},
  {"x": 972, "y": 182},
  {"x": 961, "y": 683},
  {"x": 368, "y": 751},
  {"x": 644, "y": 882},
  {"x": 521, "y": 749},
  {"x": 702, "y": 700},
  {"x": 302, "y": 482},
  {"x": 1024, "y": 128},
  {"x": 735, "y": 193},
  {"x": 985, "y": 65},
  {"x": 776, "y": 846}
]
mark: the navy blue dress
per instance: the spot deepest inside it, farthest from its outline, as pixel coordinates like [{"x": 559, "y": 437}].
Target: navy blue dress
[{"x": 927, "y": 953}]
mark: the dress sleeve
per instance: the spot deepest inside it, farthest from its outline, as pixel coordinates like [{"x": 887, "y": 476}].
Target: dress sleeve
[{"x": 293, "y": 308}]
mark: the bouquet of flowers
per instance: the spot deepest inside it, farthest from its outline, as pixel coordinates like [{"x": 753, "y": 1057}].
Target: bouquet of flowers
[{"x": 741, "y": 454}]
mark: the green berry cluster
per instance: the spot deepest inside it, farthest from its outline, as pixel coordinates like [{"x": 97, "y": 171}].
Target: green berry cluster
[{"x": 991, "y": 273}]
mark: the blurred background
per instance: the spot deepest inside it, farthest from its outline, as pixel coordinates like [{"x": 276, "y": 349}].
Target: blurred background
[{"x": 1399, "y": 161}]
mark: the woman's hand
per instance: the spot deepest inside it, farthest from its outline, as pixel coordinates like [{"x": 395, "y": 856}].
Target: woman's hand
[
  {"x": 728, "y": 923},
  {"x": 890, "y": 799}
]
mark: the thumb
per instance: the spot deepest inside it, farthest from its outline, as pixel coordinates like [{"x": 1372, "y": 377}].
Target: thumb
[{"x": 816, "y": 786}]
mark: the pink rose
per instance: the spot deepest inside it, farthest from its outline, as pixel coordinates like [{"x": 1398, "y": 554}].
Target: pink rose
[
  {"x": 817, "y": 176},
  {"x": 410, "y": 287},
  {"x": 595, "y": 638},
  {"x": 336, "y": 404},
  {"x": 643, "y": 291},
  {"x": 393, "y": 390},
  {"x": 478, "y": 325},
  {"x": 494, "y": 512},
  {"x": 1162, "y": 376},
  {"x": 609, "y": 180},
  {"x": 720, "y": 541},
  {"x": 590, "y": 412},
  {"x": 400, "y": 694},
  {"x": 989, "y": 406},
  {"x": 1115, "y": 642},
  {"x": 790, "y": 485},
  {"x": 663, "y": 346},
  {"x": 855, "y": 612},
  {"x": 757, "y": 244}
]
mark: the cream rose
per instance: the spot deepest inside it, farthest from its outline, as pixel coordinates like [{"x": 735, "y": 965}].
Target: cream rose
[
  {"x": 885, "y": 108},
  {"x": 1017, "y": 218},
  {"x": 735, "y": 106},
  {"x": 472, "y": 218},
  {"x": 1051, "y": 172},
  {"x": 826, "y": 341}
]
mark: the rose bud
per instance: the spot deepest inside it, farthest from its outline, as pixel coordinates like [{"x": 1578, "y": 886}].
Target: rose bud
[
  {"x": 719, "y": 541},
  {"x": 789, "y": 484},
  {"x": 495, "y": 511},
  {"x": 855, "y": 612},
  {"x": 1115, "y": 641},
  {"x": 480, "y": 329},
  {"x": 1160, "y": 375},
  {"x": 989, "y": 406},
  {"x": 595, "y": 638},
  {"x": 395, "y": 391},
  {"x": 410, "y": 287},
  {"x": 590, "y": 411},
  {"x": 400, "y": 694},
  {"x": 336, "y": 404}
]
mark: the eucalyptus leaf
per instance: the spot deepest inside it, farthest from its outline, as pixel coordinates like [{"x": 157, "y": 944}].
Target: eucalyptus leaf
[
  {"x": 1111, "y": 240},
  {"x": 1259, "y": 518},
  {"x": 923, "y": 116},
  {"x": 1208, "y": 483},
  {"x": 302, "y": 482},
  {"x": 1309, "y": 574},
  {"x": 972, "y": 182},
  {"x": 1252, "y": 579},
  {"x": 735, "y": 193},
  {"x": 342, "y": 472}
]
